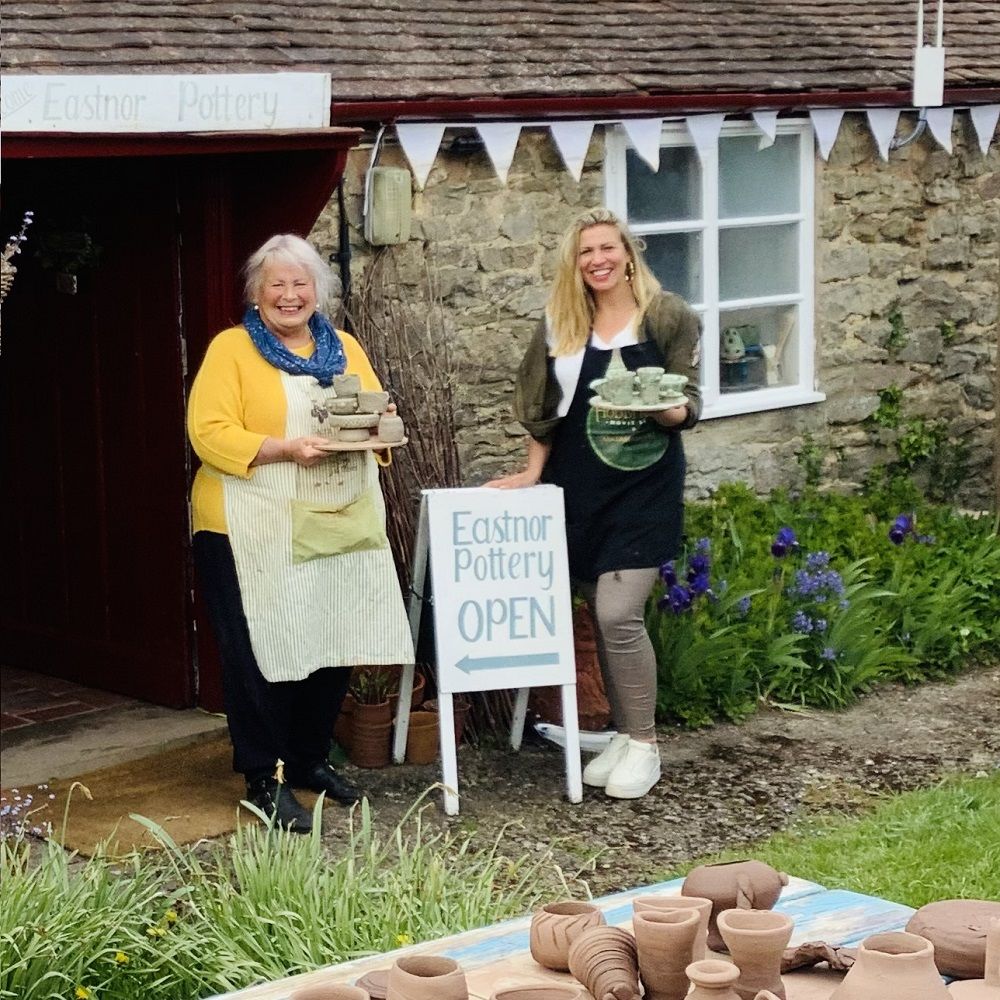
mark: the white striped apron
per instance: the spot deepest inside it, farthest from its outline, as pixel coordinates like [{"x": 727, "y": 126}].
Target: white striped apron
[{"x": 334, "y": 611}]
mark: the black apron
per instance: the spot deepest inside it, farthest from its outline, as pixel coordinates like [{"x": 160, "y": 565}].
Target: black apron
[{"x": 622, "y": 476}]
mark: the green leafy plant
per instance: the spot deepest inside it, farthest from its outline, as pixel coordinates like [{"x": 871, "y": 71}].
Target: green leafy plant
[
  {"x": 948, "y": 332},
  {"x": 898, "y": 334},
  {"x": 890, "y": 407},
  {"x": 810, "y": 458}
]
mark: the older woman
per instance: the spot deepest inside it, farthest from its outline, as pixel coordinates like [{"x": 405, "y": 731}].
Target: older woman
[
  {"x": 289, "y": 538},
  {"x": 622, "y": 473}
]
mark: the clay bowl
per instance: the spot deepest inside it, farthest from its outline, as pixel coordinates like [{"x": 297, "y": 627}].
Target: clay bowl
[
  {"x": 540, "y": 991},
  {"x": 555, "y": 927},
  {"x": 427, "y": 977}
]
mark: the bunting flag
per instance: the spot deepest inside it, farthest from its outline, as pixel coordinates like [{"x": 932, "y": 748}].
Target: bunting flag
[
  {"x": 767, "y": 122},
  {"x": 984, "y": 121},
  {"x": 420, "y": 144},
  {"x": 883, "y": 122},
  {"x": 572, "y": 139},
  {"x": 645, "y": 134},
  {"x": 826, "y": 125},
  {"x": 500, "y": 140},
  {"x": 939, "y": 121},
  {"x": 705, "y": 131}
]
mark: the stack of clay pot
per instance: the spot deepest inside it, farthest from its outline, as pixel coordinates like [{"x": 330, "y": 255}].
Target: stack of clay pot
[{"x": 354, "y": 414}]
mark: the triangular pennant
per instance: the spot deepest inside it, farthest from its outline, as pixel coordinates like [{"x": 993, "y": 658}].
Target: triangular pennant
[
  {"x": 500, "y": 140},
  {"x": 939, "y": 121},
  {"x": 705, "y": 131},
  {"x": 572, "y": 139},
  {"x": 826, "y": 125},
  {"x": 767, "y": 122},
  {"x": 645, "y": 134},
  {"x": 420, "y": 143},
  {"x": 984, "y": 121},
  {"x": 883, "y": 122}
]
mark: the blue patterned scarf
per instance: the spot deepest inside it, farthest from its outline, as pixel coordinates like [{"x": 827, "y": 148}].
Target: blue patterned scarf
[{"x": 327, "y": 360}]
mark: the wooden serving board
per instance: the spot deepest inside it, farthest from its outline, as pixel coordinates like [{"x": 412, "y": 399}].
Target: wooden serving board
[{"x": 373, "y": 444}]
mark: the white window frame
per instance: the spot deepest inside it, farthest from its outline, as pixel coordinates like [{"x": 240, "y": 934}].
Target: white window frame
[{"x": 714, "y": 402}]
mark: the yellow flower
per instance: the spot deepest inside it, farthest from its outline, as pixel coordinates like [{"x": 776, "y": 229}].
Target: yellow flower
[
  {"x": 402, "y": 940},
  {"x": 82, "y": 993},
  {"x": 121, "y": 958},
  {"x": 155, "y": 932},
  {"x": 170, "y": 917}
]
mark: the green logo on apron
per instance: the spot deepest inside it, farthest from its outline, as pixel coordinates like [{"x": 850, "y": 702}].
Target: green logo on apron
[{"x": 623, "y": 440}]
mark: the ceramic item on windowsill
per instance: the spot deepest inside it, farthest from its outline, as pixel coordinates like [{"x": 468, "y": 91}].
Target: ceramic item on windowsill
[
  {"x": 555, "y": 927},
  {"x": 897, "y": 959},
  {"x": 605, "y": 960},
  {"x": 665, "y": 942},
  {"x": 756, "y": 940},
  {"x": 427, "y": 977},
  {"x": 699, "y": 903}
]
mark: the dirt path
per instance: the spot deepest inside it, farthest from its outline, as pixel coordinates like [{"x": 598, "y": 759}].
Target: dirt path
[{"x": 721, "y": 787}]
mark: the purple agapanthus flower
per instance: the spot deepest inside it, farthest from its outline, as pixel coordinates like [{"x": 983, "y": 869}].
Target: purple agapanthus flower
[
  {"x": 700, "y": 584},
  {"x": 679, "y": 598},
  {"x": 828, "y": 653},
  {"x": 698, "y": 565},
  {"x": 817, "y": 560},
  {"x": 784, "y": 542},
  {"x": 801, "y": 622},
  {"x": 668, "y": 573}
]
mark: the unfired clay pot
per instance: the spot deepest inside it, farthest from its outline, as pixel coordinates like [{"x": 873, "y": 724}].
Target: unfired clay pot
[
  {"x": 555, "y": 927},
  {"x": 756, "y": 939},
  {"x": 605, "y": 960},
  {"x": 665, "y": 942},
  {"x": 957, "y": 929},
  {"x": 372, "y": 401},
  {"x": 339, "y": 991},
  {"x": 987, "y": 988},
  {"x": 712, "y": 979},
  {"x": 896, "y": 965},
  {"x": 375, "y": 983},
  {"x": 730, "y": 885},
  {"x": 427, "y": 977},
  {"x": 346, "y": 385},
  {"x": 390, "y": 428},
  {"x": 700, "y": 903},
  {"x": 541, "y": 991}
]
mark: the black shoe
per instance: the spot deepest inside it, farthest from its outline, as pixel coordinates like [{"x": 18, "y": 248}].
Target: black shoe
[
  {"x": 277, "y": 800},
  {"x": 322, "y": 777}
]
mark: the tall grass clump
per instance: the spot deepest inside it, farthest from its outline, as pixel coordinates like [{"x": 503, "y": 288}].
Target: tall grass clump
[
  {"x": 181, "y": 924},
  {"x": 813, "y": 600}
]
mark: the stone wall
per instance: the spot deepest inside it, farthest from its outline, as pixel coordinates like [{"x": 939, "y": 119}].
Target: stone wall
[{"x": 917, "y": 238}]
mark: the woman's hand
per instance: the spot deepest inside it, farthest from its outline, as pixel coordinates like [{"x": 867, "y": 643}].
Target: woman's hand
[
  {"x": 305, "y": 451},
  {"x": 673, "y": 417},
  {"x": 515, "y": 481}
]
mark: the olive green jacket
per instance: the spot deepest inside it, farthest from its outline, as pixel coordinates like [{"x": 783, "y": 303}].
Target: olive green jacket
[{"x": 669, "y": 321}]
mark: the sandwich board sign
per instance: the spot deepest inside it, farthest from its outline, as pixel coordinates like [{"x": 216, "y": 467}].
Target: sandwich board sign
[{"x": 502, "y": 609}]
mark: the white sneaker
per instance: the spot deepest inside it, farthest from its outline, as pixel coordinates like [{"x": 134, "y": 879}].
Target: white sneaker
[
  {"x": 597, "y": 771},
  {"x": 636, "y": 773}
]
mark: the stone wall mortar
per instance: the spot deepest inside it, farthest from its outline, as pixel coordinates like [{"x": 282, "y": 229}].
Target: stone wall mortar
[{"x": 919, "y": 235}]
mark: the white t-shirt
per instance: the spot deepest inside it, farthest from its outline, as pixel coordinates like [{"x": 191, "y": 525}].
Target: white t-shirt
[{"x": 567, "y": 367}]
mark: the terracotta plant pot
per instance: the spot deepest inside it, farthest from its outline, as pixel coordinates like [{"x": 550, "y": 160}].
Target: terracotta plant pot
[
  {"x": 375, "y": 983},
  {"x": 542, "y": 991},
  {"x": 665, "y": 943},
  {"x": 371, "y": 734},
  {"x": 342, "y": 727},
  {"x": 605, "y": 960},
  {"x": 335, "y": 991},
  {"x": 422, "y": 740},
  {"x": 460, "y": 706},
  {"x": 712, "y": 979},
  {"x": 730, "y": 885},
  {"x": 416, "y": 696},
  {"x": 555, "y": 927},
  {"x": 427, "y": 977},
  {"x": 756, "y": 940},
  {"x": 987, "y": 988},
  {"x": 957, "y": 929},
  {"x": 643, "y": 904},
  {"x": 904, "y": 962}
]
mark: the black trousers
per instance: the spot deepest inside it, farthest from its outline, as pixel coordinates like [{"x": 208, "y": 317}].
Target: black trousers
[{"x": 268, "y": 720}]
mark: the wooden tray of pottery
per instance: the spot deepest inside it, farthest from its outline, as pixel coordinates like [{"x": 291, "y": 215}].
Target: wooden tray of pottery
[{"x": 372, "y": 444}]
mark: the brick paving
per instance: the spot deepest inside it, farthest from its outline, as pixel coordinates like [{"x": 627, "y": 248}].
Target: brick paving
[{"x": 29, "y": 699}]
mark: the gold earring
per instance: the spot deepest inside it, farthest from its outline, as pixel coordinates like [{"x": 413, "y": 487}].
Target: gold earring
[{"x": 629, "y": 270}]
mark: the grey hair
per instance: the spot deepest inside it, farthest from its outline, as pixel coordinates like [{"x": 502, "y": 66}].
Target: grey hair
[{"x": 286, "y": 248}]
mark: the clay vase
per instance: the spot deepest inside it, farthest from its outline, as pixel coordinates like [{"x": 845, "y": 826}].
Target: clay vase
[
  {"x": 957, "y": 929},
  {"x": 374, "y": 983},
  {"x": 427, "y": 977},
  {"x": 605, "y": 960},
  {"x": 988, "y": 988},
  {"x": 756, "y": 940},
  {"x": 665, "y": 941},
  {"x": 731, "y": 885},
  {"x": 390, "y": 428},
  {"x": 702, "y": 905},
  {"x": 422, "y": 738},
  {"x": 712, "y": 979},
  {"x": 538, "y": 991},
  {"x": 897, "y": 965},
  {"x": 338, "y": 991},
  {"x": 555, "y": 927}
]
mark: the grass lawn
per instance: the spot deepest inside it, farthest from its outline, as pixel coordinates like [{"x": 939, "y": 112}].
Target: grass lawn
[{"x": 913, "y": 848}]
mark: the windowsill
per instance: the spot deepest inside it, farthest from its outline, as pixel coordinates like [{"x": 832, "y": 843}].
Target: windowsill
[{"x": 734, "y": 403}]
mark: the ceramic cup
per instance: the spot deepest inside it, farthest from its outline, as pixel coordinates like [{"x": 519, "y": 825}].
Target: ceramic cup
[
  {"x": 618, "y": 389},
  {"x": 649, "y": 383},
  {"x": 372, "y": 401},
  {"x": 346, "y": 385},
  {"x": 672, "y": 385}
]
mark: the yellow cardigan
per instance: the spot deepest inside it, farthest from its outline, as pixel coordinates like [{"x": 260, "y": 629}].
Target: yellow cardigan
[{"x": 237, "y": 401}]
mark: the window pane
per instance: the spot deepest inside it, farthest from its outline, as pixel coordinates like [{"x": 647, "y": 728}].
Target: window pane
[
  {"x": 758, "y": 348},
  {"x": 758, "y": 260},
  {"x": 756, "y": 181},
  {"x": 675, "y": 259},
  {"x": 672, "y": 193}
]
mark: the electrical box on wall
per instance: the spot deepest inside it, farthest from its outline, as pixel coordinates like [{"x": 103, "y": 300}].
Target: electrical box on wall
[{"x": 389, "y": 205}]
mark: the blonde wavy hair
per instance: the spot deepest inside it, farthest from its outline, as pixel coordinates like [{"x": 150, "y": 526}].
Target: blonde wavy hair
[{"x": 571, "y": 307}]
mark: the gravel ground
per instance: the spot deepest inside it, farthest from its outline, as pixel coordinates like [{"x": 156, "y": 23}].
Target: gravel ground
[{"x": 721, "y": 787}]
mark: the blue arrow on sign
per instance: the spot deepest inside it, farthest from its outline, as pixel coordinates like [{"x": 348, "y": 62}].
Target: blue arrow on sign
[{"x": 469, "y": 663}]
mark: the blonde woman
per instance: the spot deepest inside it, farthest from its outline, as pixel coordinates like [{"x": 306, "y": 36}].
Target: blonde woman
[{"x": 622, "y": 473}]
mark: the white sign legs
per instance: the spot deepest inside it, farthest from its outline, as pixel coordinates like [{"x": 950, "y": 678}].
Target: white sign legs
[{"x": 571, "y": 724}]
